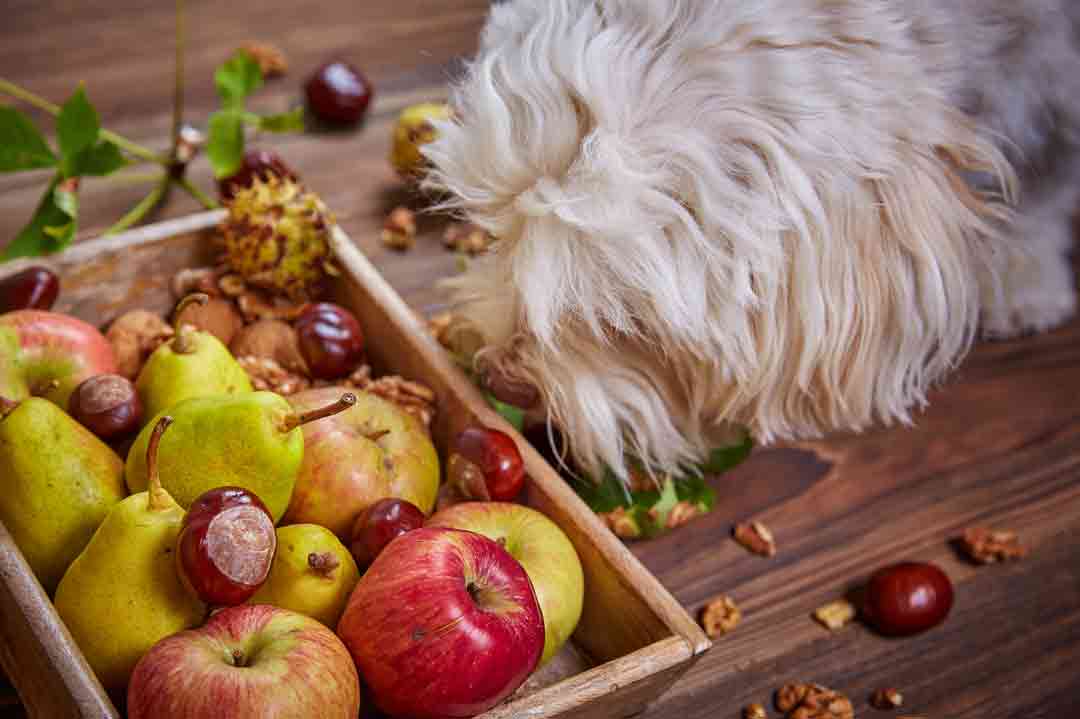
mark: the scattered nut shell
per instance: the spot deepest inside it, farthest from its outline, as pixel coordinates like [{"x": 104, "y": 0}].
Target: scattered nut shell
[
  {"x": 268, "y": 375},
  {"x": 813, "y": 701},
  {"x": 218, "y": 317},
  {"x": 757, "y": 538},
  {"x": 133, "y": 337},
  {"x": 269, "y": 58},
  {"x": 621, "y": 523},
  {"x": 272, "y": 339},
  {"x": 886, "y": 699},
  {"x": 399, "y": 229},
  {"x": 467, "y": 237},
  {"x": 836, "y": 614},
  {"x": 986, "y": 546},
  {"x": 254, "y": 305},
  {"x": 720, "y": 616},
  {"x": 754, "y": 711}
]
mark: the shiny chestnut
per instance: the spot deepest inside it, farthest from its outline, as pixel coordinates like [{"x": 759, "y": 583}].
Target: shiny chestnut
[
  {"x": 907, "y": 598},
  {"x": 107, "y": 405},
  {"x": 380, "y": 524},
  {"x": 481, "y": 452},
  {"x": 331, "y": 340},
  {"x": 338, "y": 93},
  {"x": 35, "y": 288}
]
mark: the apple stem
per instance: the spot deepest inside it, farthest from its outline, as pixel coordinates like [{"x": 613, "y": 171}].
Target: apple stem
[
  {"x": 42, "y": 389},
  {"x": 7, "y": 407},
  {"x": 159, "y": 499},
  {"x": 323, "y": 563},
  {"x": 293, "y": 421},
  {"x": 181, "y": 343}
]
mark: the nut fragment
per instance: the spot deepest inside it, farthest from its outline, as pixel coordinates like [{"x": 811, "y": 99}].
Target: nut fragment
[
  {"x": 813, "y": 701},
  {"x": 399, "y": 229},
  {"x": 720, "y": 616},
  {"x": 413, "y": 397},
  {"x": 836, "y": 614},
  {"x": 621, "y": 523},
  {"x": 269, "y": 58},
  {"x": 272, "y": 339},
  {"x": 254, "y": 305},
  {"x": 232, "y": 285},
  {"x": 133, "y": 337},
  {"x": 754, "y": 711},
  {"x": 680, "y": 514},
  {"x": 987, "y": 546},
  {"x": 756, "y": 537},
  {"x": 886, "y": 699},
  {"x": 266, "y": 374},
  {"x": 467, "y": 237},
  {"x": 194, "y": 279},
  {"x": 218, "y": 317}
]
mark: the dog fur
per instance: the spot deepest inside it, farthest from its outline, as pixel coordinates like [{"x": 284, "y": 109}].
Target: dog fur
[{"x": 790, "y": 216}]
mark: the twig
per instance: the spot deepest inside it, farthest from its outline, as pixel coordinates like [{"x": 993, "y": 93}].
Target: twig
[
  {"x": 41, "y": 103},
  {"x": 193, "y": 190},
  {"x": 140, "y": 210},
  {"x": 178, "y": 78}
]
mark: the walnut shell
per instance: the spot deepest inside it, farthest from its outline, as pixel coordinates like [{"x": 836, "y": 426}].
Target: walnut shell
[
  {"x": 218, "y": 317},
  {"x": 133, "y": 337},
  {"x": 270, "y": 339}
]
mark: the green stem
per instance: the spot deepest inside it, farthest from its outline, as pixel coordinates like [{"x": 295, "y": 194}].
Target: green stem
[
  {"x": 140, "y": 210},
  {"x": 135, "y": 178},
  {"x": 193, "y": 190},
  {"x": 41, "y": 103}
]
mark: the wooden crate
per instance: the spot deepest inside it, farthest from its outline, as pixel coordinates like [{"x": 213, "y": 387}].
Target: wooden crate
[{"x": 633, "y": 640}]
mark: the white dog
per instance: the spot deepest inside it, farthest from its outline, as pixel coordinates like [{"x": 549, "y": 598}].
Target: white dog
[{"x": 786, "y": 215}]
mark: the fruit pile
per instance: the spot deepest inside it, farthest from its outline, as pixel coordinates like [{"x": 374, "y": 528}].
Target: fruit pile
[{"x": 267, "y": 550}]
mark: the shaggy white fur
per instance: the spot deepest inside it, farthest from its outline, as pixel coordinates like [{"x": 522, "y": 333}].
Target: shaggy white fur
[{"x": 717, "y": 214}]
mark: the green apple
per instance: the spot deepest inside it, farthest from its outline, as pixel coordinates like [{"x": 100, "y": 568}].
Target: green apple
[{"x": 543, "y": 550}]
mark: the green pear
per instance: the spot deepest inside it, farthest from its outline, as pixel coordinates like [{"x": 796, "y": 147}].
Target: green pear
[
  {"x": 250, "y": 440},
  {"x": 193, "y": 364},
  {"x": 58, "y": 483},
  {"x": 312, "y": 574},
  {"x": 122, "y": 594}
]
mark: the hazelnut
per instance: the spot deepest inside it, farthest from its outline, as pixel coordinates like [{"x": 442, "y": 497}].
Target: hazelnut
[
  {"x": 270, "y": 339},
  {"x": 133, "y": 337},
  {"x": 218, "y": 317}
]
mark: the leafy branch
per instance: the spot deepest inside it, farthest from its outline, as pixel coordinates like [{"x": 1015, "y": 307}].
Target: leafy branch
[{"x": 86, "y": 149}]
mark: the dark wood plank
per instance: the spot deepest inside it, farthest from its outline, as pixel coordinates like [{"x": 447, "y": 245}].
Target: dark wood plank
[{"x": 1000, "y": 444}]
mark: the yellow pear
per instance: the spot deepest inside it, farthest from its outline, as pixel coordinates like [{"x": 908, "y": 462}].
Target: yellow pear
[{"x": 122, "y": 594}]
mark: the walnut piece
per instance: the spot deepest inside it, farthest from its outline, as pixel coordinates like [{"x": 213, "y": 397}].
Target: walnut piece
[
  {"x": 133, "y": 337},
  {"x": 413, "y": 397},
  {"x": 399, "y": 229},
  {"x": 270, "y": 59},
  {"x": 813, "y": 701},
  {"x": 756, "y": 537},
  {"x": 987, "y": 546},
  {"x": 467, "y": 237},
  {"x": 886, "y": 699},
  {"x": 680, "y": 514},
  {"x": 266, "y": 374},
  {"x": 720, "y": 616},
  {"x": 621, "y": 523},
  {"x": 254, "y": 305},
  {"x": 754, "y": 711},
  {"x": 836, "y": 614}
]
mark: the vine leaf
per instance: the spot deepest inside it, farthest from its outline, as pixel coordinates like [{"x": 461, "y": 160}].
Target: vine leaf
[
  {"x": 236, "y": 78},
  {"x": 225, "y": 142},
  {"x": 22, "y": 146},
  {"x": 77, "y": 128},
  {"x": 44, "y": 233}
]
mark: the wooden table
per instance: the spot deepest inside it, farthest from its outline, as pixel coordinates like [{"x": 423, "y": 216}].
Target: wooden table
[{"x": 1000, "y": 445}]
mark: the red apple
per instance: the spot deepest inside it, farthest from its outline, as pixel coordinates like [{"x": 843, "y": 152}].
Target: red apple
[
  {"x": 247, "y": 661},
  {"x": 37, "y": 347},
  {"x": 544, "y": 551},
  {"x": 445, "y": 623}
]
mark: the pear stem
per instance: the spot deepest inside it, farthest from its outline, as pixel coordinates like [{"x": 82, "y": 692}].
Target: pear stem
[
  {"x": 7, "y": 407},
  {"x": 323, "y": 563},
  {"x": 181, "y": 343},
  {"x": 293, "y": 421},
  {"x": 159, "y": 499}
]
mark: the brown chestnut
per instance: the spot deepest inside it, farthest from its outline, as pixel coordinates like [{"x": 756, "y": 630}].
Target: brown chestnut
[
  {"x": 907, "y": 598},
  {"x": 35, "y": 288},
  {"x": 107, "y": 405}
]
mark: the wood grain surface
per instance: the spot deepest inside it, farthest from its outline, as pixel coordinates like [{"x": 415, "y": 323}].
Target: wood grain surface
[{"x": 1000, "y": 444}]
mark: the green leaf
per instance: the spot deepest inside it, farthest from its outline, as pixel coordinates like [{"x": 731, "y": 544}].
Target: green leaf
[
  {"x": 602, "y": 496},
  {"x": 237, "y": 78},
  {"x": 104, "y": 158},
  {"x": 49, "y": 230},
  {"x": 514, "y": 415},
  {"x": 292, "y": 121},
  {"x": 22, "y": 147},
  {"x": 76, "y": 129},
  {"x": 695, "y": 491},
  {"x": 225, "y": 142},
  {"x": 724, "y": 458}
]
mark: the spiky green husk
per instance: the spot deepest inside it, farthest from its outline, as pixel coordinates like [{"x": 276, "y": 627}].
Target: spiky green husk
[{"x": 277, "y": 236}]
